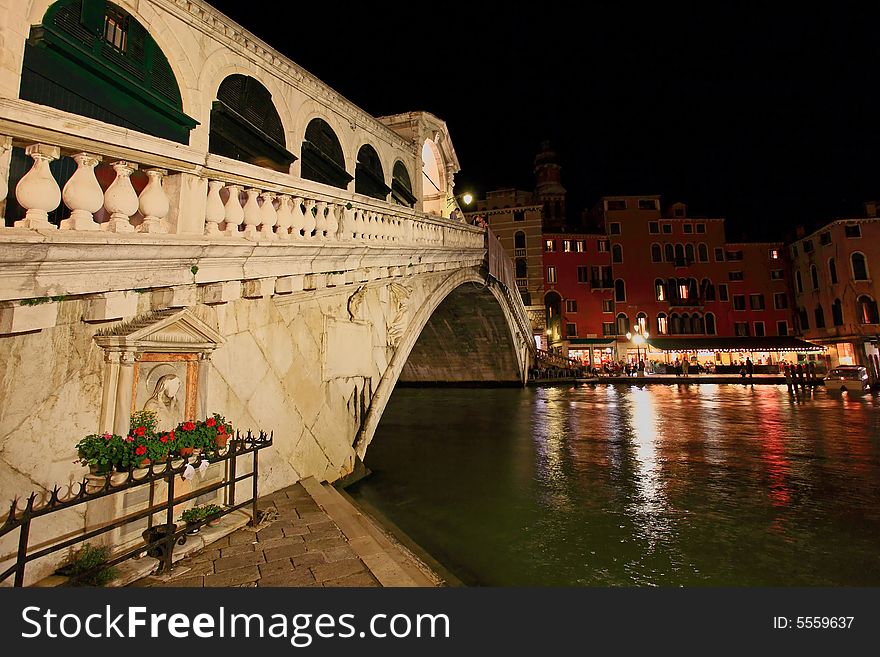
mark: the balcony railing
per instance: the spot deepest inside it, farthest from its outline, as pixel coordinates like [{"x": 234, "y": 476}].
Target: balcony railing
[
  {"x": 601, "y": 283},
  {"x": 519, "y": 253}
]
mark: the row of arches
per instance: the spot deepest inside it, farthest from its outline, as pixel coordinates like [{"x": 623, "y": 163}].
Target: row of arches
[
  {"x": 678, "y": 254},
  {"x": 865, "y": 312},
  {"x": 673, "y": 324},
  {"x": 858, "y": 268}
]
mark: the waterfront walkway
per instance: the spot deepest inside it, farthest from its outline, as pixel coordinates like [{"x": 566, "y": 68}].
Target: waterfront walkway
[
  {"x": 314, "y": 537},
  {"x": 762, "y": 379}
]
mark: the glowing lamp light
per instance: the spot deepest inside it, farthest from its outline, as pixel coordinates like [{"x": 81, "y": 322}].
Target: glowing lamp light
[{"x": 467, "y": 198}]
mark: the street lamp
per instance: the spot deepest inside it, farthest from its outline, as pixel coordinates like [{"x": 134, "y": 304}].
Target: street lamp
[{"x": 638, "y": 339}]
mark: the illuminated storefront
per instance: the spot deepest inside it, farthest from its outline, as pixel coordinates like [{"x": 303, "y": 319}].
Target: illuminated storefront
[{"x": 725, "y": 355}]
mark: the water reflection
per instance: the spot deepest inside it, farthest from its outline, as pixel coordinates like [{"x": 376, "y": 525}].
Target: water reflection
[{"x": 635, "y": 485}]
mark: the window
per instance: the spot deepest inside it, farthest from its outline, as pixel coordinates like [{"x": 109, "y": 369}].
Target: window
[
  {"x": 583, "y": 274},
  {"x": 675, "y": 324},
  {"x": 735, "y": 275},
  {"x": 794, "y": 251},
  {"x": 667, "y": 229},
  {"x": 808, "y": 246},
  {"x": 550, "y": 246},
  {"x": 567, "y": 246},
  {"x": 688, "y": 228},
  {"x": 798, "y": 282},
  {"x": 519, "y": 215},
  {"x": 656, "y": 253},
  {"x": 551, "y": 274},
  {"x": 322, "y": 157},
  {"x": 614, "y": 228},
  {"x": 719, "y": 254},
  {"x": 617, "y": 254},
  {"x": 703, "y": 252},
  {"x": 679, "y": 255},
  {"x": 866, "y": 309},
  {"x": 697, "y": 324},
  {"x": 756, "y": 301},
  {"x": 859, "y": 266},
  {"x": 814, "y": 277},
  {"x": 782, "y": 328},
  {"x": 642, "y": 323},
  {"x": 660, "y": 290},
  {"x": 608, "y": 328},
  {"x": 522, "y": 271},
  {"x": 710, "y": 324},
  {"x": 722, "y": 292},
  {"x": 734, "y": 255},
  {"x": 774, "y": 254},
  {"x": 852, "y": 230},
  {"x": 519, "y": 243},
  {"x": 602, "y": 246},
  {"x": 669, "y": 252},
  {"x": 804, "y": 319},
  {"x": 780, "y": 301},
  {"x": 662, "y": 324},
  {"x": 825, "y": 238},
  {"x": 741, "y": 329},
  {"x": 615, "y": 205},
  {"x": 571, "y": 306},
  {"x": 679, "y": 212},
  {"x": 820, "y": 316},
  {"x": 619, "y": 290},
  {"x": 654, "y": 227},
  {"x": 571, "y": 330},
  {"x": 600, "y": 277},
  {"x": 832, "y": 270},
  {"x": 689, "y": 253},
  {"x": 622, "y": 324},
  {"x": 759, "y": 329},
  {"x": 701, "y": 229},
  {"x": 776, "y": 274},
  {"x": 607, "y": 305},
  {"x": 647, "y": 204},
  {"x": 580, "y": 246},
  {"x": 837, "y": 313},
  {"x": 708, "y": 290},
  {"x": 115, "y": 27},
  {"x": 739, "y": 301}
]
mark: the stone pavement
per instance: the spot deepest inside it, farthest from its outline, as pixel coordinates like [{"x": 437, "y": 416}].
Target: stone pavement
[{"x": 303, "y": 546}]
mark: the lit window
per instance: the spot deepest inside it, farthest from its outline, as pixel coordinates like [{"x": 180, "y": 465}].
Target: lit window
[
  {"x": 550, "y": 246},
  {"x": 566, "y": 246},
  {"x": 116, "y": 28},
  {"x": 774, "y": 254},
  {"x": 660, "y": 290},
  {"x": 551, "y": 274},
  {"x": 662, "y": 324},
  {"x": 642, "y": 323},
  {"x": 683, "y": 291},
  {"x": 607, "y": 305},
  {"x": 580, "y": 246}
]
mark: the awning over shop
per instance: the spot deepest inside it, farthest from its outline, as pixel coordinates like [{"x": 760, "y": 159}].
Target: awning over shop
[
  {"x": 752, "y": 344},
  {"x": 595, "y": 342}
]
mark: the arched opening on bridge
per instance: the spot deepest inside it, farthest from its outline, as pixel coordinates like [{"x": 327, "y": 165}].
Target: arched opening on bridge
[
  {"x": 369, "y": 179},
  {"x": 246, "y": 126},
  {"x": 322, "y": 158},
  {"x": 553, "y": 312},
  {"x": 433, "y": 179},
  {"x": 467, "y": 340},
  {"x": 401, "y": 186}
]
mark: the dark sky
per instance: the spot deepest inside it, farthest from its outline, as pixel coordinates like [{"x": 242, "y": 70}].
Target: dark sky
[{"x": 765, "y": 117}]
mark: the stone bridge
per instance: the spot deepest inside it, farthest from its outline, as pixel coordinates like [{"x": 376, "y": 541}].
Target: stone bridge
[{"x": 287, "y": 298}]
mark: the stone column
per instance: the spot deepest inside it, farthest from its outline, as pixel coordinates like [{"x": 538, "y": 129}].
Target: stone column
[
  {"x": 124, "y": 393},
  {"x": 202, "y": 399},
  {"x": 111, "y": 382}
]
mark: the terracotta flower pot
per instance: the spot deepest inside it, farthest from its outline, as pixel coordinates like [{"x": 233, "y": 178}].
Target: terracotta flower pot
[
  {"x": 221, "y": 439},
  {"x": 185, "y": 451}
]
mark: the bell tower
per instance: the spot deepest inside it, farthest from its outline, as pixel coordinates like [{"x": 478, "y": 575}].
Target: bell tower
[{"x": 549, "y": 189}]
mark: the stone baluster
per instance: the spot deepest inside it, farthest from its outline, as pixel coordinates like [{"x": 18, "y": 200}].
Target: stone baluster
[
  {"x": 348, "y": 223},
  {"x": 268, "y": 216},
  {"x": 251, "y": 213},
  {"x": 83, "y": 194},
  {"x": 382, "y": 227},
  {"x": 120, "y": 199},
  {"x": 37, "y": 192},
  {"x": 310, "y": 221},
  {"x": 408, "y": 237},
  {"x": 4, "y": 169},
  {"x": 234, "y": 213},
  {"x": 361, "y": 224},
  {"x": 299, "y": 219},
  {"x": 153, "y": 203},
  {"x": 321, "y": 220},
  {"x": 334, "y": 212},
  {"x": 285, "y": 217},
  {"x": 214, "y": 210}
]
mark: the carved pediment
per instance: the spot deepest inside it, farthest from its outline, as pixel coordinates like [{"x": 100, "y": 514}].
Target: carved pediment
[{"x": 165, "y": 330}]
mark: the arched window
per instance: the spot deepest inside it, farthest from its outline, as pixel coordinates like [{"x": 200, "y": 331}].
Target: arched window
[
  {"x": 820, "y": 317},
  {"x": 814, "y": 277},
  {"x": 710, "y": 324},
  {"x": 697, "y": 323},
  {"x": 866, "y": 309},
  {"x": 522, "y": 269},
  {"x": 322, "y": 157},
  {"x": 832, "y": 270},
  {"x": 859, "y": 266},
  {"x": 617, "y": 253},
  {"x": 246, "y": 126},
  {"x": 703, "y": 252},
  {"x": 619, "y": 290},
  {"x": 642, "y": 323},
  {"x": 669, "y": 252},
  {"x": 675, "y": 324},
  {"x": 799, "y": 283},
  {"x": 689, "y": 253},
  {"x": 693, "y": 289},
  {"x": 662, "y": 324},
  {"x": 837, "y": 313},
  {"x": 679, "y": 254},
  {"x": 369, "y": 179},
  {"x": 622, "y": 324},
  {"x": 708, "y": 290},
  {"x": 686, "y": 323},
  {"x": 656, "y": 253},
  {"x": 401, "y": 187},
  {"x": 660, "y": 289},
  {"x": 519, "y": 240}
]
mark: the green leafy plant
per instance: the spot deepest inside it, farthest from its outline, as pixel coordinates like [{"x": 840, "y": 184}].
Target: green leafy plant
[
  {"x": 198, "y": 513},
  {"x": 203, "y": 434},
  {"x": 86, "y": 559},
  {"x": 103, "y": 452}
]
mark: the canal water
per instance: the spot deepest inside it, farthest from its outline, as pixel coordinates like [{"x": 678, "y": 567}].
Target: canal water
[{"x": 626, "y": 485}]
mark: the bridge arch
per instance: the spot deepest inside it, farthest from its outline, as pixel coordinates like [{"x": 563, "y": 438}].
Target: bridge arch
[{"x": 464, "y": 296}]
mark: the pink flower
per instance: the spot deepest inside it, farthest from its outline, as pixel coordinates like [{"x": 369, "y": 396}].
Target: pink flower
[
  {"x": 129, "y": 439},
  {"x": 107, "y": 436}
]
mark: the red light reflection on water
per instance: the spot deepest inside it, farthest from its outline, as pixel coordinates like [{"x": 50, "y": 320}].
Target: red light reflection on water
[{"x": 773, "y": 440}]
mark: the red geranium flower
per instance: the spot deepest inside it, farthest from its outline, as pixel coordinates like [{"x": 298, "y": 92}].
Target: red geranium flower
[
  {"x": 210, "y": 422},
  {"x": 140, "y": 431},
  {"x": 171, "y": 436},
  {"x": 164, "y": 439},
  {"x": 188, "y": 426},
  {"x": 221, "y": 428},
  {"x": 141, "y": 450}
]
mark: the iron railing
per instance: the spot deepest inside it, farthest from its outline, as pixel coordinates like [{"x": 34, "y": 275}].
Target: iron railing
[{"x": 159, "y": 540}]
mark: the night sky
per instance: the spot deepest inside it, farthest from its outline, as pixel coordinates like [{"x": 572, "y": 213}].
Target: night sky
[{"x": 767, "y": 119}]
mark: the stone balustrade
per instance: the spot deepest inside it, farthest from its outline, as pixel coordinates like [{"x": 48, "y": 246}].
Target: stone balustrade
[{"x": 229, "y": 207}]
